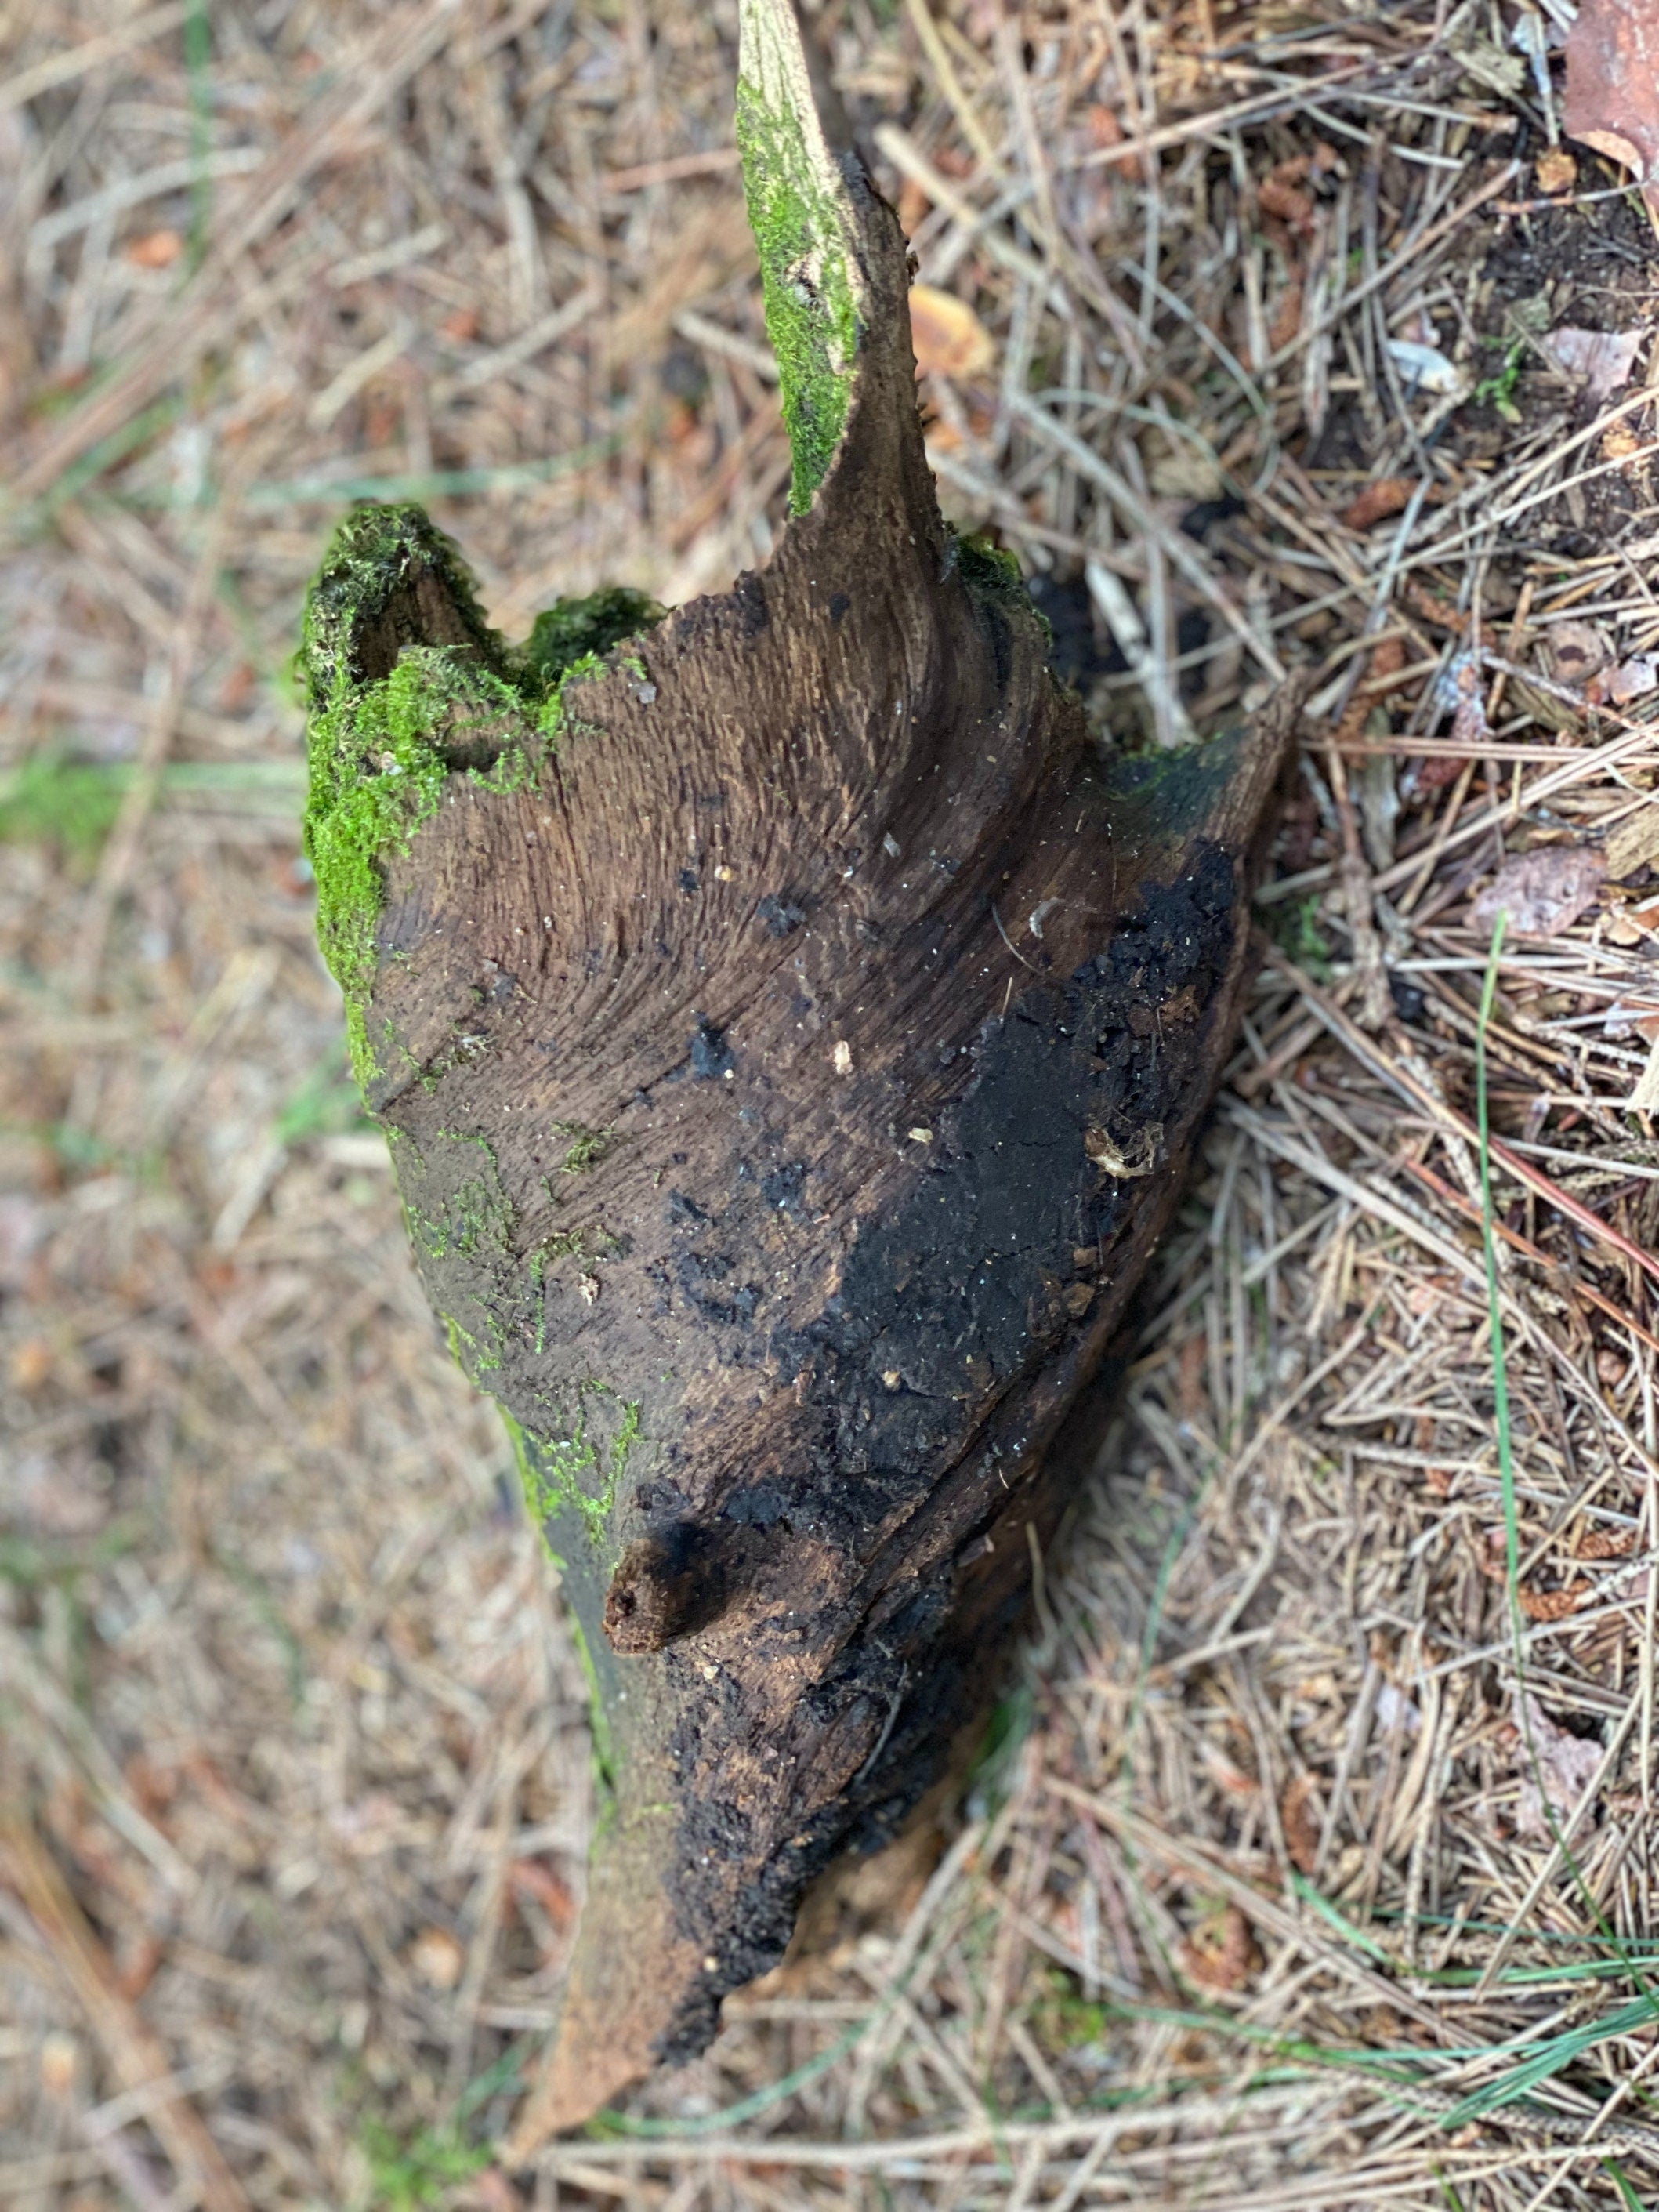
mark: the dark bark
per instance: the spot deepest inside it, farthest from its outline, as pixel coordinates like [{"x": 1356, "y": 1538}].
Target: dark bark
[{"x": 790, "y": 1061}]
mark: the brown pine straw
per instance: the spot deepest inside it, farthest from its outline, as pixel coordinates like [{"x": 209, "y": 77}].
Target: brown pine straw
[{"x": 1260, "y": 1898}]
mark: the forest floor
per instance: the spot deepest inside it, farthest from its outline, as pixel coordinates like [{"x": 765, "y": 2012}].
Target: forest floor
[{"x": 1313, "y": 1863}]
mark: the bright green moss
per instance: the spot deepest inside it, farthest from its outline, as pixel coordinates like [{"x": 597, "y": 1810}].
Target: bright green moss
[
  {"x": 988, "y": 568},
  {"x": 391, "y": 718},
  {"x": 811, "y": 309},
  {"x": 553, "y": 717},
  {"x": 576, "y": 629},
  {"x": 376, "y": 776}
]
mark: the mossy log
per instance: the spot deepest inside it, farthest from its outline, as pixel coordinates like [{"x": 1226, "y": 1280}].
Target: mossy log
[{"x": 791, "y": 1029}]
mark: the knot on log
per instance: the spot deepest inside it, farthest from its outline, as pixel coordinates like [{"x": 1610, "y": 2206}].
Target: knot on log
[{"x": 664, "y": 1587}]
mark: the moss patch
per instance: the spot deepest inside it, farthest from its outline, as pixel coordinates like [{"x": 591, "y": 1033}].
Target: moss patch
[
  {"x": 394, "y": 715},
  {"x": 586, "y": 1149},
  {"x": 376, "y": 775},
  {"x": 576, "y": 629},
  {"x": 577, "y": 1472},
  {"x": 806, "y": 276}
]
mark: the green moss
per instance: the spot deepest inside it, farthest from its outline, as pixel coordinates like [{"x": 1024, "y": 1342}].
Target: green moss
[
  {"x": 377, "y": 774},
  {"x": 474, "y": 1360},
  {"x": 571, "y": 630},
  {"x": 553, "y": 717},
  {"x": 984, "y": 566},
  {"x": 806, "y": 277},
  {"x": 587, "y": 1148},
  {"x": 391, "y": 718},
  {"x": 574, "y": 1474},
  {"x": 421, "y": 2173},
  {"x": 474, "y": 1217},
  {"x": 364, "y": 592}
]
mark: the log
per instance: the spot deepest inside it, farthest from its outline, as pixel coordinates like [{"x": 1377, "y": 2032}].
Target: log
[{"x": 791, "y": 1029}]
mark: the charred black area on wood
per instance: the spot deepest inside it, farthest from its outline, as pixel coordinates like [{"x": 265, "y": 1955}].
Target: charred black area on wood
[{"x": 1003, "y": 1251}]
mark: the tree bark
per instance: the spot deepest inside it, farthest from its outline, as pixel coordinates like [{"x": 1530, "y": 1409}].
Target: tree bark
[{"x": 791, "y": 1029}]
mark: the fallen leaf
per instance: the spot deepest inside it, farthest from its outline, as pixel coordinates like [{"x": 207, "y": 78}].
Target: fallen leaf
[
  {"x": 1543, "y": 892},
  {"x": 1644, "y": 1098},
  {"x": 1631, "y": 843},
  {"x": 1555, "y": 171},
  {"x": 1553, "y": 1605},
  {"x": 1603, "y": 358},
  {"x": 437, "y": 1957},
  {"x": 156, "y": 249},
  {"x": 1425, "y": 367},
  {"x": 1633, "y": 678},
  {"x": 1460, "y": 691},
  {"x": 1578, "y": 650},
  {"x": 1627, "y": 1018},
  {"x": 1613, "y": 86},
  {"x": 1299, "y": 1815},
  {"x": 1621, "y": 445},
  {"x": 1557, "y": 1767},
  {"x": 949, "y": 337},
  {"x": 1221, "y": 1952},
  {"x": 1388, "y": 496}
]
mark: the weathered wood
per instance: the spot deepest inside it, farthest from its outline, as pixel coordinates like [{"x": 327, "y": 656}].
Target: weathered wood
[{"x": 791, "y": 1029}]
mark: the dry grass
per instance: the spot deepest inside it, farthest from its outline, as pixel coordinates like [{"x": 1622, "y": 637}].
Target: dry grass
[{"x": 1316, "y": 1866}]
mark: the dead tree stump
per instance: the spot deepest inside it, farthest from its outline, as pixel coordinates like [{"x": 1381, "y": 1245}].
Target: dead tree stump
[{"x": 791, "y": 1029}]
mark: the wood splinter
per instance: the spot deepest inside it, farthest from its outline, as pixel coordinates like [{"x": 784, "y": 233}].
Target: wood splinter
[{"x": 790, "y": 1030}]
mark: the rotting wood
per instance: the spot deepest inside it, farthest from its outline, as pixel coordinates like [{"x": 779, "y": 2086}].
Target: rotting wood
[{"x": 790, "y": 1030}]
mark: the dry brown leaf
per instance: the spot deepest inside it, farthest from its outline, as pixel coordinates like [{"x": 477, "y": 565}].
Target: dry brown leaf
[
  {"x": 1633, "y": 678},
  {"x": 949, "y": 337},
  {"x": 1388, "y": 496},
  {"x": 1299, "y": 1816},
  {"x": 437, "y": 1957},
  {"x": 1612, "y": 85},
  {"x": 1634, "y": 842},
  {"x": 1603, "y": 358},
  {"x": 1578, "y": 650},
  {"x": 156, "y": 249},
  {"x": 1554, "y": 1765},
  {"x": 1542, "y": 893},
  {"x": 1621, "y": 445},
  {"x": 1553, "y": 1605},
  {"x": 1221, "y": 1952},
  {"x": 1605, "y": 1543}
]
